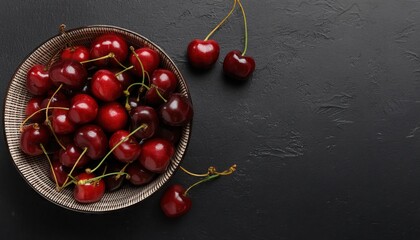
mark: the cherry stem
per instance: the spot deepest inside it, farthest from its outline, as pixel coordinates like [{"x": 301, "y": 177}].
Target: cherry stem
[
  {"x": 245, "y": 27},
  {"x": 109, "y": 55},
  {"x": 72, "y": 169},
  {"x": 62, "y": 28},
  {"x": 122, "y": 171},
  {"x": 57, "y": 187},
  {"x": 143, "y": 126},
  {"x": 141, "y": 64},
  {"x": 125, "y": 69},
  {"x": 48, "y": 122},
  {"x": 94, "y": 179},
  {"x": 208, "y": 178},
  {"x": 36, "y": 112},
  {"x": 221, "y": 22}
]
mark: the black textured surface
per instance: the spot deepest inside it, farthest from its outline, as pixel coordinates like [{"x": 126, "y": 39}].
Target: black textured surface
[{"x": 325, "y": 135}]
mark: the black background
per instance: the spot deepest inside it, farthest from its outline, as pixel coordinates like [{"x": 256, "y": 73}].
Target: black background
[{"x": 325, "y": 135}]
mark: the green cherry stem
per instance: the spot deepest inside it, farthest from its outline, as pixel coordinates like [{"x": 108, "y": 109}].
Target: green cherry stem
[
  {"x": 221, "y": 22},
  {"x": 206, "y": 179},
  {"x": 245, "y": 27},
  {"x": 125, "y": 69},
  {"x": 94, "y": 179}
]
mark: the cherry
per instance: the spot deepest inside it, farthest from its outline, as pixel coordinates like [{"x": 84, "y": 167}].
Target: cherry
[
  {"x": 61, "y": 123},
  {"x": 128, "y": 151},
  {"x": 112, "y": 117},
  {"x": 105, "y": 86},
  {"x": 203, "y": 54},
  {"x": 169, "y": 133},
  {"x": 83, "y": 109},
  {"x": 71, "y": 155},
  {"x": 163, "y": 81},
  {"x": 60, "y": 173},
  {"x": 124, "y": 77},
  {"x": 177, "y": 111},
  {"x": 106, "y": 44},
  {"x": 88, "y": 189},
  {"x": 114, "y": 182},
  {"x": 174, "y": 202},
  {"x": 93, "y": 138},
  {"x": 149, "y": 58},
  {"x": 32, "y": 137},
  {"x": 138, "y": 174},
  {"x": 237, "y": 66},
  {"x": 72, "y": 74},
  {"x": 38, "y": 81},
  {"x": 144, "y": 115},
  {"x": 33, "y": 105},
  {"x": 156, "y": 154},
  {"x": 58, "y": 100},
  {"x": 78, "y": 53}
]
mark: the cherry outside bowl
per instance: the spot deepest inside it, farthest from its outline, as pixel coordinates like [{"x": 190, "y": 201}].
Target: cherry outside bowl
[{"x": 35, "y": 170}]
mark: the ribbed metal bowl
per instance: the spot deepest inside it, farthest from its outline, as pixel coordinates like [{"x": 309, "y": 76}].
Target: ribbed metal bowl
[{"x": 35, "y": 169}]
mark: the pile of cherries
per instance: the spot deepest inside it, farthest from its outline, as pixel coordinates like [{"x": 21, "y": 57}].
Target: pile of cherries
[{"x": 103, "y": 114}]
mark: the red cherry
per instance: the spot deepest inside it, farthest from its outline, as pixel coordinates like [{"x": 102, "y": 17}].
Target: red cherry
[
  {"x": 83, "y": 109},
  {"x": 32, "y": 137},
  {"x": 88, "y": 191},
  {"x": 38, "y": 81},
  {"x": 114, "y": 182},
  {"x": 70, "y": 156},
  {"x": 156, "y": 154},
  {"x": 77, "y": 53},
  {"x": 237, "y": 66},
  {"x": 165, "y": 81},
  {"x": 33, "y": 105},
  {"x": 149, "y": 58},
  {"x": 60, "y": 171},
  {"x": 203, "y": 54},
  {"x": 72, "y": 74},
  {"x": 138, "y": 174},
  {"x": 169, "y": 133},
  {"x": 61, "y": 123},
  {"x": 109, "y": 43},
  {"x": 125, "y": 78},
  {"x": 105, "y": 86},
  {"x": 144, "y": 115},
  {"x": 92, "y": 137},
  {"x": 112, "y": 117},
  {"x": 174, "y": 202},
  {"x": 177, "y": 111},
  {"x": 127, "y": 151}
]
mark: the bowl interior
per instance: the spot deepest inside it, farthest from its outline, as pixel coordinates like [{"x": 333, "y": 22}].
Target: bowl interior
[{"x": 35, "y": 169}]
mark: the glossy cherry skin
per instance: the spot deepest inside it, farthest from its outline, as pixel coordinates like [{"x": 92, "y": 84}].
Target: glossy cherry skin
[
  {"x": 109, "y": 43},
  {"x": 156, "y": 154},
  {"x": 138, "y": 174},
  {"x": 92, "y": 137},
  {"x": 78, "y": 53},
  {"x": 202, "y": 54},
  {"x": 61, "y": 123},
  {"x": 59, "y": 100},
  {"x": 125, "y": 78},
  {"x": 144, "y": 115},
  {"x": 112, "y": 117},
  {"x": 38, "y": 80},
  {"x": 149, "y": 58},
  {"x": 177, "y": 111},
  {"x": 170, "y": 133},
  {"x": 72, "y": 74},
  {"x": 32, "y": 137},
  {"x": 33, "y": 105},
  {"x": 88, "y": 191},
  {"x": 127, "y": 151},
  {"x": 174, "y": 202},
  {"x": 69, "y": 157},
  {"x": 237, "y": 66},
  {"x": 83, "y": 109},
  {"x": 105, "y": 86},
  {"x": 165, "y": 82}
]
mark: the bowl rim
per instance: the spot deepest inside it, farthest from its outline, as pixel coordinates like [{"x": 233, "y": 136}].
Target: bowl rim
[{"x": 110, "y": 27}]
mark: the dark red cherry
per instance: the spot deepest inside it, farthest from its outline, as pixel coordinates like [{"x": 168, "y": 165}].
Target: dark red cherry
[
  {"x": 237, "y": 66},
  {"x": 149, "y": 58},
  {"x": 72, "y": 74},
  {"x": 138, "y": 174},
  {"x": 87, "y": 190},
  {"x": 83, "y": 109},
  {"x": 109, "y": 43},
  {"x": 38, "y": 81},
  {"x": 144, "y": 115},
  {"x": 202, "y": 54},
  {"x": 59, "y": 100},
  {"x": 32, "y": 137},
  {"x": 78, "y": 53},
  {"x": 112, "y": 117},
  {"x": 163, "y": 81},
  {"x": 33, "y": 105},
  {"x": 125, "y": 78},
  {"x": 105, "y": 86},
  {"x": 114, "y": 182},
  {"x": 128, "y": 151},
  {"x": 174, "y": 202},
  {"x": 61, "y": 123},
  {"x": 60, "y": 171},
  {"x": 177, "y": 111},
  {"x": 170, "y": 133},
  {"x": 92, "y": 137},
  {"x": 156, "y": 154},
  {"x": 69, "y": 157}
]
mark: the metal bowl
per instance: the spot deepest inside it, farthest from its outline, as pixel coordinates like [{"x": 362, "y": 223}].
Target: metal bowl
[{"x": 35, "y": 170}]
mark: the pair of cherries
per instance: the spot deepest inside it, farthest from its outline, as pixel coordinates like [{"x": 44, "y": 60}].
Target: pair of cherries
[{"x": 203, "y": 54}]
